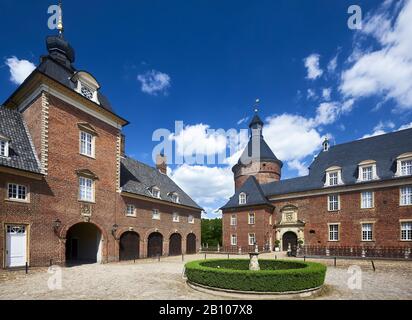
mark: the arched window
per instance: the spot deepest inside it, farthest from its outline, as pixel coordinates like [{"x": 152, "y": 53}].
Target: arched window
[{"x": 242, "y": 198}]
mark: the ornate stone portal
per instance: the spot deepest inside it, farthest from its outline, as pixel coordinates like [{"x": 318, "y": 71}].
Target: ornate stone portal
[{"x": 289, "y": 223}]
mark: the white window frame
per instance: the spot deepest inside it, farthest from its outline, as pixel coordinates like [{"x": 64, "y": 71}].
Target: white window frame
[
  {"x": 233, "y": 240},
  {"x": 18, "y": 190},
  {"x": 334, "y": 235},
  {"x": 336, "y": 181},
  {"x": 367, "y": 199},
  {"x": 251, "y": 236},
  {"x": 330, "y": 202},
  {"x": 406, "y": 230},
  {"x": 154, "y": 191},
  {"x": 367, "y": 235},
  {"x": 155, "y": 214},
  {"x": 242, "y": 198},
  {"x": 130, "y": 210},
  {"x": 233, "y": 220},
  {"x": 251, "y": 218},
  {"x": 83, "y": 192},
  {"x": 4, "y": 148},
  {"x": 406, "y": 167},
  {"x": 175, "y": 197},
  {"x": 83, "y": 145},
  {"x": 191, "y": 219},
  {"x": 175, "y": 217},
  {"x": 362, "y": 175},
  {"x": 405, "y": 196}
]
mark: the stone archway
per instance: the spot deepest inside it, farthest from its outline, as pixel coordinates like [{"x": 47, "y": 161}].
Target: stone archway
[
  {"x": 83, "y": 243},
  {"x": 129, "y": 246},
  {"x": 155, "y": 244},
  {"x": 175, "y": 244},
  {"x": 289, "y": 240}
]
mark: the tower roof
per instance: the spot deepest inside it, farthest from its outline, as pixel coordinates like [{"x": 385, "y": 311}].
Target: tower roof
[
  {"x": 256, "y": 120},
  {"x": 258, "y": 150}
]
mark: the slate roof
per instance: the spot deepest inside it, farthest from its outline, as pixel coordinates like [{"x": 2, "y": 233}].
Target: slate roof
[
  {"x": 21, "y": 152},
  {"x": 264, "y": 153},
  {"x": 137, "y": 177},
  {"x": 254, "y": 195},
  {"x": 384, "y": 149}
]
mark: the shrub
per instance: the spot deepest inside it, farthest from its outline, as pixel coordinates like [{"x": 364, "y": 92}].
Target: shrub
[{"x": 274, "y": 276}]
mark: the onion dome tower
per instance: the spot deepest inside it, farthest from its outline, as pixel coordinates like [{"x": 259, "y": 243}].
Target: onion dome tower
[{"x": 257, "y": 159}]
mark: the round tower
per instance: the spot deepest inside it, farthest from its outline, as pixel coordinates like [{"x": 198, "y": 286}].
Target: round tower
[{"x": 257, "y": 159}]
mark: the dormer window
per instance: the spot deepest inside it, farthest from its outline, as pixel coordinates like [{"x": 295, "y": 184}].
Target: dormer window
[
  {"x": 367, "y": 171},
  {"x": 4, "y": 148},
  {"x": 155, "y": 192},
  {"x": 242, "y": 198},
  {"x": 86, "y": 85},
  {"x": 175, "y": 197},
  {"x": 333, "y": 177},
  {"x": 404, "y": 165}
]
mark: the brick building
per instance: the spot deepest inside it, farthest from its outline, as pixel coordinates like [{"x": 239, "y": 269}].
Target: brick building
[
  {"x": 67, "y": 190},
  {"x": 356, "y": 194}
]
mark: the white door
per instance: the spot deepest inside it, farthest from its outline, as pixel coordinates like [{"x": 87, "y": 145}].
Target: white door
[{"x": 16, "y": 246}]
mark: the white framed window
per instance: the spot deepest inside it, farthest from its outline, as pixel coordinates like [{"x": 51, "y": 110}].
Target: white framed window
[
  {"x": 155, "y": 214},
  {"x": 251, "y": 218},
  {"x": 333, "y": 177},
  {"x": 334, "y": 232},
  {"x": 367, "y": 231},
  {"x": 233, "y": 240},
  {"x": 252, "y": 239},
  {"x": 233, "y": 220},
  {"x": 17, "y": 192},
  {"x": 406, "y": 231},
  {"x": 4, "y": 148},
  {"x": 333, "y": 202},
  {"x": 86, "y": 189},
  {"x": 367, "y": 173},
  {"x": 191, "y": 219},
  {"x": 87, "y": 142},
  {"x": 406, "y": 167},
  {"x": 175, "y": 197},
  {"x": 366, "y": 199},
  {"x": 176, "y": 217},
  {"x": 242, "y": 198},
  {"x": 156, "y": 192},
  {"x": 130, "y": 210},
  {"x": 406, "y": 196}
]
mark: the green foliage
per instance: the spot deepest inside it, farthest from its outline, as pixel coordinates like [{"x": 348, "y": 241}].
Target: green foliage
[
  {"x": 274, "y": 276},
  {"x": 212, "y": 232}
]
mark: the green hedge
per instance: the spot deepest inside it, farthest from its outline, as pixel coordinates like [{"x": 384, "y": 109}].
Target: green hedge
[{"x": 274, "y": 276}]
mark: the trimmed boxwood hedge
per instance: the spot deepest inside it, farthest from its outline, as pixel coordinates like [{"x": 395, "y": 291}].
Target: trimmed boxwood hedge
[{"x": 274, "y": 276}]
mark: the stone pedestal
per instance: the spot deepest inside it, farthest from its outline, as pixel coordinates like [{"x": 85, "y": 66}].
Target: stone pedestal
[{"x": 254, "y": 262}]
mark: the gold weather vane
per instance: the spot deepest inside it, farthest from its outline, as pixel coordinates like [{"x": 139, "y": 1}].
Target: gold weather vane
[
  {"x": 60, "y": 21},
  {"x": 256, "y": 106}
]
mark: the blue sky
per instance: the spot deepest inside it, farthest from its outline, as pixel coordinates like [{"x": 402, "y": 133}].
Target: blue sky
[{"x": 205, "y": 63}]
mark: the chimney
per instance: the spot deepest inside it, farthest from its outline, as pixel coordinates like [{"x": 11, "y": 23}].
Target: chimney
[
  {"x": 123, "y": 145},
  {"x": 161, "y": 163}
]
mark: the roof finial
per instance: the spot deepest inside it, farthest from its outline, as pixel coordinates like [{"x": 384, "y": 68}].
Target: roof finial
[
  {"x": 60, "y": 20},
  {"x": 256, "y": 106}
]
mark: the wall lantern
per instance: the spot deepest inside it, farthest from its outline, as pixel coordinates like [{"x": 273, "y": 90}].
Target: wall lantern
[
  {"x": 56, "y": 225},
  {"x": 114, "y": 229}
]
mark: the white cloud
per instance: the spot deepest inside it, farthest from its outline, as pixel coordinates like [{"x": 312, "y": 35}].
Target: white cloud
[
  {"x": 311, "y": 94},
  {"x": 326, "y": 93},
  {"x": 291, "y": 137},
  {"x": 327, "y": 113},
  {"x": 388, "y": 70},
  {"x": 406, "y": 126},
  {"x": 299, "y": 166},
  {"x": 381, "y": 128},
  {"x": 206, "y": 185},
  {"x": 19, "y": 69},
  {"x": 374, "y": 133},
  {"x": 312, "y": 66},
  {"x": 154, "y": 82},
  {"x": 333, "y": 63},
  {"x": 199, "y": 139},
  {"x": 243, "y": 120}
]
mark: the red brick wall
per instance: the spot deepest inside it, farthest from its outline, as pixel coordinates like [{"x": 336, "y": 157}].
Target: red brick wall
[{"x": 264, "y": 172}]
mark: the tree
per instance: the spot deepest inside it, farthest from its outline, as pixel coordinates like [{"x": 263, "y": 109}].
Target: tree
[{"x": 212, "y": 232}]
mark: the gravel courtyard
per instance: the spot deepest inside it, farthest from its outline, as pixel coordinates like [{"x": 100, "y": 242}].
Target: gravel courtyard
[{"x": 150, "y": 279}]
